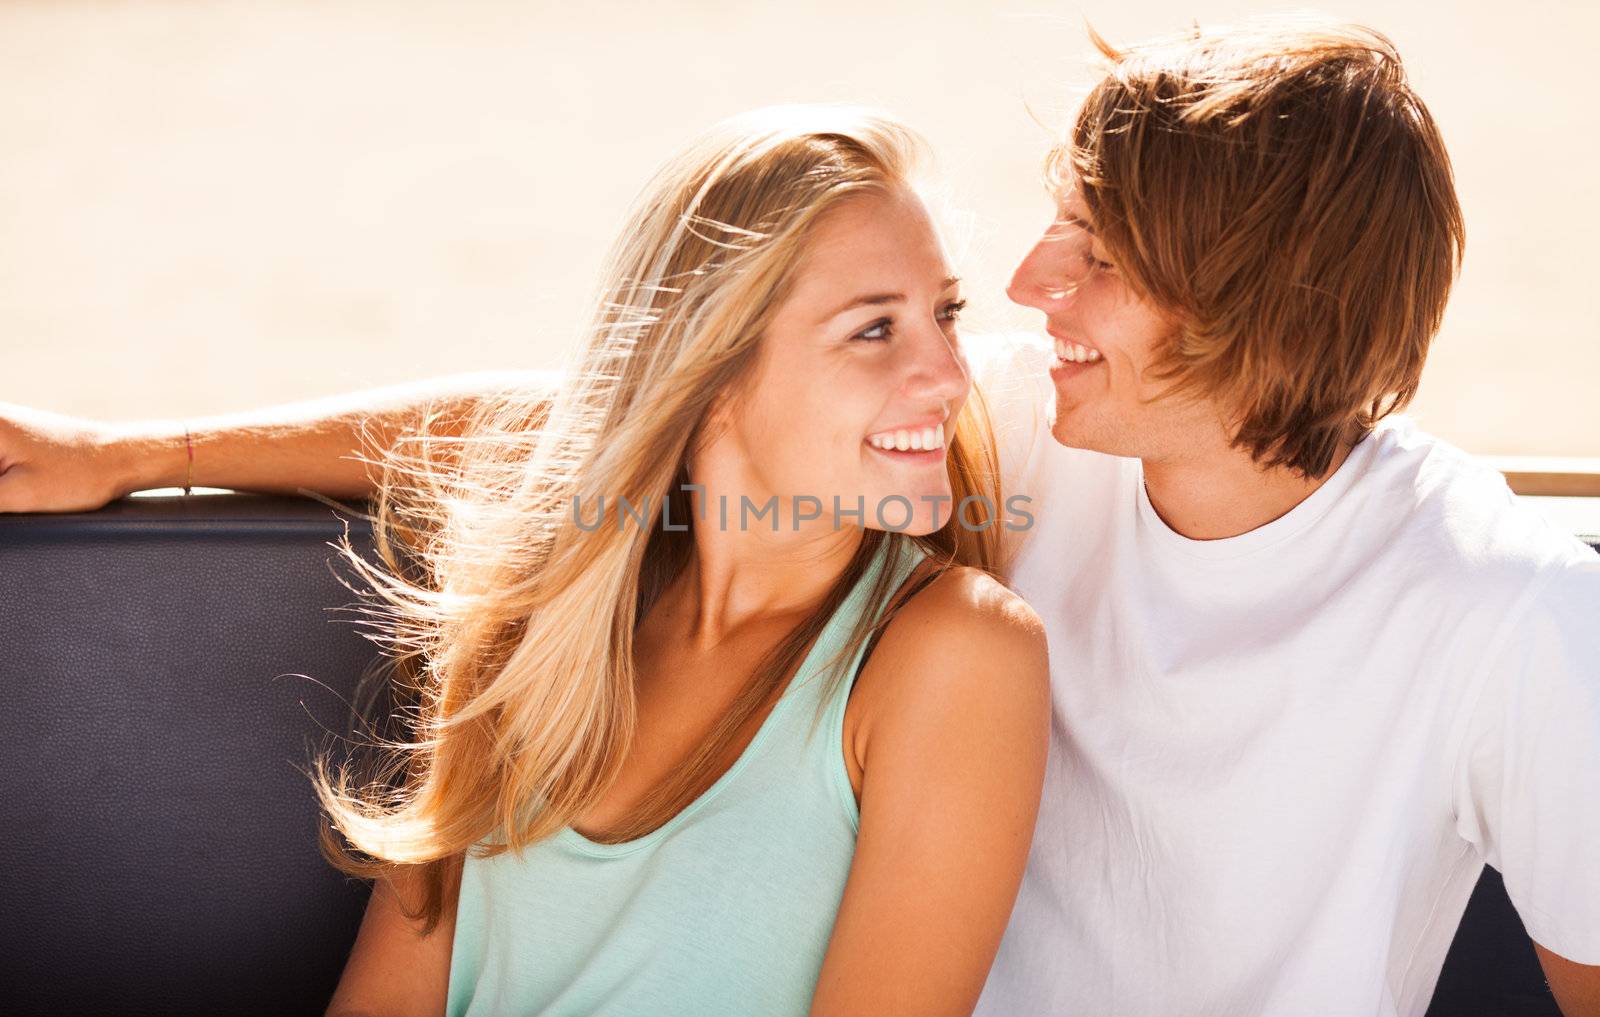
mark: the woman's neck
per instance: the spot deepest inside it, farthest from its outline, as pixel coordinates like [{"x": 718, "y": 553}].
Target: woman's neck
[{"x": 740, "y": 574}]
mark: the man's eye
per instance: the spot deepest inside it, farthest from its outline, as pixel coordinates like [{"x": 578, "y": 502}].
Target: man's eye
[{"x": 878, "y": 331}]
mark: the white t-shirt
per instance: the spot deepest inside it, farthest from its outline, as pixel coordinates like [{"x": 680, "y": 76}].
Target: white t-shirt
[{"x": 1280, "y": 760}]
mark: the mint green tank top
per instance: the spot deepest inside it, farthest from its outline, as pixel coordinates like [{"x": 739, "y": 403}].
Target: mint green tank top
[{"x": 724, "y": 910}]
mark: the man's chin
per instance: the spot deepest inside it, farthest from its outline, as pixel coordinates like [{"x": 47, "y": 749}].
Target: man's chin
[{"x": 1072, "y": 434}]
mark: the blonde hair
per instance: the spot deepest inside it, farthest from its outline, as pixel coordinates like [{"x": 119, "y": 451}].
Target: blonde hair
[
  {"x": 1281, "y": 190},
  {"x": 511, "y": 628}
]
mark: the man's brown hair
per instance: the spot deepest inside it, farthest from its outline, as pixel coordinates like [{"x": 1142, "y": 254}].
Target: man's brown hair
[{"x": 1284, "y": 193}]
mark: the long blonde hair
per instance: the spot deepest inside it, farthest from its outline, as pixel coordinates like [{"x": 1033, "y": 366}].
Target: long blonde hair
[{"x": 510, "y": 626}]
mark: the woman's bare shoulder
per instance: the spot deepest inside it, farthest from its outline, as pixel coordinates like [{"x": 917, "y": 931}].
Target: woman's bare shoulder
[
  {"x": 967, "y": 607},
  {"x": 965, "y": 637}
]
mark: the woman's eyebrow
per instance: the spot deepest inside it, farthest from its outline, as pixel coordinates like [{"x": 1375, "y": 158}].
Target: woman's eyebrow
[{"x": 875, "y": 299}]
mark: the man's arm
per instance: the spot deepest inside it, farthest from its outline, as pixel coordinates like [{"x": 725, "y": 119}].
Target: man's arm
[
  {"x": 54, "y": 463},
  {"x": 1576, "y": 987},
  {"x": 1528, "y": 793}
]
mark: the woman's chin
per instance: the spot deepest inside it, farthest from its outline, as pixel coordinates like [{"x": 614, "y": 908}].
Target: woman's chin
[{"x": 916, "y": 511}]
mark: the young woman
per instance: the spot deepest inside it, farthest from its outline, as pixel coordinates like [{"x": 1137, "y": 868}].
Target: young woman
[{"x": 718, "y": 708}]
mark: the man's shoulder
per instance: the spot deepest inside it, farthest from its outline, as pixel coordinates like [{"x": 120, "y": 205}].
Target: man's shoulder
[
  {"x": 1008, "y": 361},
  {"x": 999, "y": 351},
  {"x": 1456, "y": 517}
]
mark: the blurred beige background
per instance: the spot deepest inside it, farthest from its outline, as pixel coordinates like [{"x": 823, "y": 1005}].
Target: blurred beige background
[{"x": 206, "y": 206}]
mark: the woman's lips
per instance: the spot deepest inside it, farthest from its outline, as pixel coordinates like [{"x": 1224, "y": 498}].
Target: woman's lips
[
  {"x": 917, "y": 437},
  {"x": 921, "y": 442},
  {"x": 910, "y": 457}
]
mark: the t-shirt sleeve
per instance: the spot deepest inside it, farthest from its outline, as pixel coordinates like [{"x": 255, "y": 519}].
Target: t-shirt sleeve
[{"x": 1528, "y": 790}]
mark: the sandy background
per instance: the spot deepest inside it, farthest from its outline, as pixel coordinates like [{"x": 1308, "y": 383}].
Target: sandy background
[{"x": 205, "y": 206}]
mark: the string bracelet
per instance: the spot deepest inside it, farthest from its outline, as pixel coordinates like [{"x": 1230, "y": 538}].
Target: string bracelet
[{"x": 188, "y": 476}]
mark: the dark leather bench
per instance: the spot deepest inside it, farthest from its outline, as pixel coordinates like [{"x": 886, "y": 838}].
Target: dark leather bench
[{"x": 170, "y": 666}]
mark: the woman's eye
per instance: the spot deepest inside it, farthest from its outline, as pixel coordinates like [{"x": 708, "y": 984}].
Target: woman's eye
[
  {"x": 883, "y": 328},
  {"x": 875, "y": 332}
]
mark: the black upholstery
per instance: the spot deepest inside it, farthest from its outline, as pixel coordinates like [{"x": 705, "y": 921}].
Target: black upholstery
[{"x": 170, "y": 666}]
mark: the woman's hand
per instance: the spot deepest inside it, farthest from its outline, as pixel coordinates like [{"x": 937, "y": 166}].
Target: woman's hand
[{"x": 50, "y": 462}]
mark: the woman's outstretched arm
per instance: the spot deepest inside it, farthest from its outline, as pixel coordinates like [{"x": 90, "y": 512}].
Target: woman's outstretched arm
[{"x": 50, "y": 462}]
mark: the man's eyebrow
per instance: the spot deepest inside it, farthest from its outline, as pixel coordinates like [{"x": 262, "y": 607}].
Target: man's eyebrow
[
  {"x": 1083, "y": 224},
  {"x": 875, "y": 299}
]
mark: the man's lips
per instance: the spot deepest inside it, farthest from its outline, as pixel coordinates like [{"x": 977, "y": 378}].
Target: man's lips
[{"x": 1073, "y": 352}]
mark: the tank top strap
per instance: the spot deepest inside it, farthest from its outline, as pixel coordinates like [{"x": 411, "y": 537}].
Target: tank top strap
[
  {"x": 897, "y": 557},
  {"x": 825, "y": 748}
]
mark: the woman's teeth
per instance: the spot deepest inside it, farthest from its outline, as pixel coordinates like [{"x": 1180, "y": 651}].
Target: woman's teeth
[
  {"x": 926, "y": 439},
  {"x": 1075, "y": 353}
]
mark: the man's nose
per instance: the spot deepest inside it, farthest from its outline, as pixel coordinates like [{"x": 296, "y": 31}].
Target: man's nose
[
  {"x": 1045, "y": 277},
  {"x": 1027, "y": 285}
]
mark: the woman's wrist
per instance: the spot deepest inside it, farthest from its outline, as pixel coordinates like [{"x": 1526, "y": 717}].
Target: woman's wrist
[{"x": 148, "y": 455}]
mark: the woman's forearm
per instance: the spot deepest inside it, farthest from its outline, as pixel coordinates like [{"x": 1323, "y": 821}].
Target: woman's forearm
[{"x": 319, "y": 445}]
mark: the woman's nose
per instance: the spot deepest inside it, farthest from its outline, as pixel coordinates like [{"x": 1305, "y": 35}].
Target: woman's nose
[{"x": 941, "y": 370}]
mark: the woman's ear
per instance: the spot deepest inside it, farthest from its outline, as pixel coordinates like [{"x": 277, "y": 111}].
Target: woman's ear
[{"x": 717, "y": 421}]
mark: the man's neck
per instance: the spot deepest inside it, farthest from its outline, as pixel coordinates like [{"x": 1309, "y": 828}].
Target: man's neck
[{"x": 1226, "y": 494}]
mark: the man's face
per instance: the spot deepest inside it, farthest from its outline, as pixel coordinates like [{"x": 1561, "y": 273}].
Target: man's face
[{"x": 1106, "y": 339}]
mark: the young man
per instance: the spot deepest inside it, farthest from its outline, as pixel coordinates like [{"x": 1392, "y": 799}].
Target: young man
[
  {"x": 1311, "y": 670},
  {"x": 1312, "y": 667}
]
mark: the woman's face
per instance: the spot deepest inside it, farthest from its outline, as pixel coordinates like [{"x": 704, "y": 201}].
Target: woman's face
[
  {"x": 860, "y": 375},
  {"x": 1106, "y": 338}
]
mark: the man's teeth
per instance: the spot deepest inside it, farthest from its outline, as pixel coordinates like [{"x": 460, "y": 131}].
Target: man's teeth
[
  {"x": 926, "y": 439},
  {"x": 1075, "y": 353}
]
